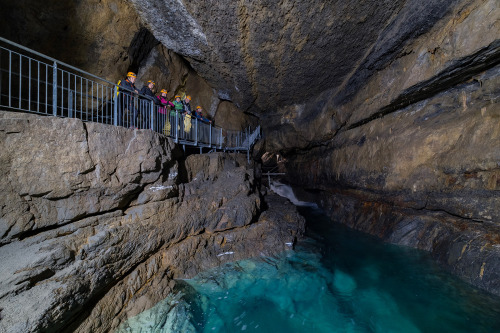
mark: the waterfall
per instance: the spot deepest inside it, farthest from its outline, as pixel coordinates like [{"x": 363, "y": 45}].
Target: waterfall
[{"x": 287, "y": 192}]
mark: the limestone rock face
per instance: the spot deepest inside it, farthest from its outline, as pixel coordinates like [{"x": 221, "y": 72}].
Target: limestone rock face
[
  {"x": 409, "y": 150},
  {"x": 48, "y": 169},
  {"x": 266, "y": 54},
  {"x": 390, "y": 104},
  {"x": 230, "y": 118},
  {"x": 96, "y": 221}
]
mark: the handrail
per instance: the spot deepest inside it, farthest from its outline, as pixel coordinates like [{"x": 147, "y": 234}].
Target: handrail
[
  {"x": 51, "y": 59},
  {"x": 48, "y": 86}
]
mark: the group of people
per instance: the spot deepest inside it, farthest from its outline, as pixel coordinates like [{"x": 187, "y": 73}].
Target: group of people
[{"x": 178, "y": 108}]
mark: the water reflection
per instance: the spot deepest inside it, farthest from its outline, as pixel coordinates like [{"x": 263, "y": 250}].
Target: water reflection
[{"x": 337, "y": 280}]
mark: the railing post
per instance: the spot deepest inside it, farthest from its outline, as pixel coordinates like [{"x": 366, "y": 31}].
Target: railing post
[
  {"x": 70, "y": 104},
  {"x": 210, "y": 135},
  {"x": 176, "y": 126},
  {"x": 196, "y": 131},
  {"x": 220, "y": 139},
  {"x": 10, "y": 78},
  {"x": 248, "y": 144},
  {"x": 54, "y": 89},
  {"x": 151, "y": 119},
  {"x": 115, "y": 106}
]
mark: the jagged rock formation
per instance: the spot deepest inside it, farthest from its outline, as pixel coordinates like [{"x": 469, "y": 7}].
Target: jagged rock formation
[
  {"x": 96, "y": 221},
  {"x": 388, "y": 106}
]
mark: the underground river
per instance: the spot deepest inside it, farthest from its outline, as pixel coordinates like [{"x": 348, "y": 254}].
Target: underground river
[{"x": 335, "y": 280}]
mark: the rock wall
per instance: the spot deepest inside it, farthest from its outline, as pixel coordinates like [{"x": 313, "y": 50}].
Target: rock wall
[
  {"x": 96, "y": 221},
  {"x": 409, "y": 150},
  {"x": 95, "y": 35}
]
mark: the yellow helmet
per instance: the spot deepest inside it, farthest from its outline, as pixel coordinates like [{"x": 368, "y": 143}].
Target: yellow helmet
[
  {"x": 164, "y": 91},
  {"x": 198, "y": 107},
  {"x": 150, "y": 81},
  {"x": 177, "y": 96},
  {"x": 131, "y": 74},
  {"x": 188, "y": 97}
]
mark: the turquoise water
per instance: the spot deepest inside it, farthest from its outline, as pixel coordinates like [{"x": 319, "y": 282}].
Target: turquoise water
[{"x": 336, "y": 280}]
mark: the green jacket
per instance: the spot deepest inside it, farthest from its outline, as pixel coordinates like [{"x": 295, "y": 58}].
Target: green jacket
[{"x": 179, "y": 106}]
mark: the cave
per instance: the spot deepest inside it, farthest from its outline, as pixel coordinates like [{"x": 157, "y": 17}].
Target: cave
[{"x": 383, "y": 114}]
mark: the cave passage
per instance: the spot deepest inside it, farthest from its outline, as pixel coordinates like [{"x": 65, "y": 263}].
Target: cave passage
[{"x": 336, "y": 280}]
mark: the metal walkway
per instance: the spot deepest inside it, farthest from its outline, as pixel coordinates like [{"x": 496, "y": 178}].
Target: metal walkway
[{"x": 32, "y": 82}]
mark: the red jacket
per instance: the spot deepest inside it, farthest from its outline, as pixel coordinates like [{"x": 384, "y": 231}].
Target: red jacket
[{"x": 165, "y": 102}]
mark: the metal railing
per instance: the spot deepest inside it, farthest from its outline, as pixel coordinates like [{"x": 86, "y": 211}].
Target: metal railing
[{"x": 33, "y": 82}]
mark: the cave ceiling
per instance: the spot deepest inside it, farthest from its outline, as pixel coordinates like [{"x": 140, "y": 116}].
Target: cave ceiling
[
  {"x": 261, "y": 54},
  {"x": 265, "y": 54}
]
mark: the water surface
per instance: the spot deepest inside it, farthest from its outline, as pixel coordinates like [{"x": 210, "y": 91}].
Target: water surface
[{"x": 336, "y": 280}]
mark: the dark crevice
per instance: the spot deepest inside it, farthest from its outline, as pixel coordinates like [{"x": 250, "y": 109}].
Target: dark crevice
[
  {"x": 33, "y": 280},
  {"x": 122, "y": 206},
  {"x": 436, "y": 210},
  {"x": 30, "y": 233},
  {"x": 140, "y": 47},
  {"x": 461, "y": 71},
  {"x": 85, "y": 129}
]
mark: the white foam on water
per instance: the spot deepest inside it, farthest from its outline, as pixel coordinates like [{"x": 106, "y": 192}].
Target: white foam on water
[{"x": 287, "y": 192}]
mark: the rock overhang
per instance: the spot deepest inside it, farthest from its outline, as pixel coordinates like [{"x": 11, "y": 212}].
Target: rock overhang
[{"x": 265, "y": 54}]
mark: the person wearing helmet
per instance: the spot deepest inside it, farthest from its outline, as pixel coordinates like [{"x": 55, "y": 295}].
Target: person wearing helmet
[
  {"x": 162, "y": 113},
  {"x": 199, "y": 115},
  {"x": 148, "y": 89},
  {"x": 176, "y": 112},
  {"x": 126, "y": 100},
  {"x": 203, "y": 128},
  {"x": 187, "y": 115},
  {"x": 162, "y": 99},
  {"x": 187, "y": 106},
  {"x": 145, "y": 106},
  {"x": 178, "y": 105}
]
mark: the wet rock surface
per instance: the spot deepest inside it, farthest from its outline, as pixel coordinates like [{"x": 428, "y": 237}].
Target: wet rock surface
[
  {"x": 426, "y": 176},
  {"x": 97, "y": 221},
  {"x": 407, "y": 148},
  {"x": 467, "y": 248}
]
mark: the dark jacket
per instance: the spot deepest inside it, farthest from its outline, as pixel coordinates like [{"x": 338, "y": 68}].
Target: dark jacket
[
  {"x": 201, "y": 118},
  {"x": 187, "y": 107},
  {"x": 128, "y": 85},
  {"x": 148, "y": 93}
]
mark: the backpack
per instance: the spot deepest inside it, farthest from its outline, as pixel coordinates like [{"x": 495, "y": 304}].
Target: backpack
[{"x": 117, "y": 88}]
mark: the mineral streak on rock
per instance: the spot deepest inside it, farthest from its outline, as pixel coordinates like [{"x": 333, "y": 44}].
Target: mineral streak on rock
[{"x": 97, "y": 220}]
